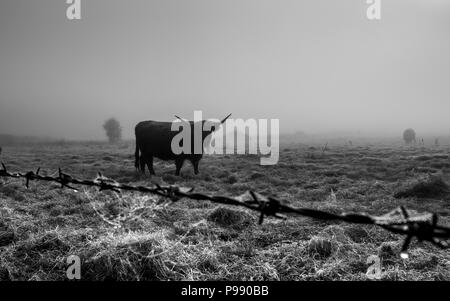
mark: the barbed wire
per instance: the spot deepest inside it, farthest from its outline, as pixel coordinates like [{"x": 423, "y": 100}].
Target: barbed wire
[{"x": 423, "y": 226}]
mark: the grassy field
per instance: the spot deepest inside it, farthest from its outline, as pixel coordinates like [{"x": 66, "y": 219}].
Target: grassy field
[{"x": 135, "y": 237}]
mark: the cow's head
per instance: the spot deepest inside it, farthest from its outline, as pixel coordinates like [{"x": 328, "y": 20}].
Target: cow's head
[{"x": 208, "y": 127}]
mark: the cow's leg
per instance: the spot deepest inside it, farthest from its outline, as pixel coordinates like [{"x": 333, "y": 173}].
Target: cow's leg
[
  {"x": 195, "y": 163},
  {"x": 136, "y": 156},
  {"x": 150, "y": 165},
  {"x": 178, "y": 165},
  {"x": 142, "y": 164}
]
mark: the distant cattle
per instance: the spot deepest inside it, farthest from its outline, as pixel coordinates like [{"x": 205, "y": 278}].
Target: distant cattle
[{"x": 154, "y": 139}]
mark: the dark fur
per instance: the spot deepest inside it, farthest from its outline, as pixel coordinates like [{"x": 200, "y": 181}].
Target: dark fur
[{"x": 153, "y": 139}]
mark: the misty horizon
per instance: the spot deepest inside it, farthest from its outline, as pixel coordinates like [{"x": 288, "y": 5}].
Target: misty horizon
[{"x": 317, "y": 66}]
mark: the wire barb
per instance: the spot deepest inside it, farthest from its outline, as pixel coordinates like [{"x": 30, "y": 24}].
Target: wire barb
[{"x": 423, "y": 227}]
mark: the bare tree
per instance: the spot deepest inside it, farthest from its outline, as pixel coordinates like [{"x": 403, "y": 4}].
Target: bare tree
[{"x": 113, "y": 130}]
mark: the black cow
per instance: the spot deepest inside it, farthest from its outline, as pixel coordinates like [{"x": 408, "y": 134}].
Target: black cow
[{"x": 154, "y": 139}]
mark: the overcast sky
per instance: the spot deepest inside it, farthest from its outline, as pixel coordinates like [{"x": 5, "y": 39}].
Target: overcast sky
[{"x": 317, "y": 65}]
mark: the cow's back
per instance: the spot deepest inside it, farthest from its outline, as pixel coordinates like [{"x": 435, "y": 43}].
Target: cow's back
[{"x": 154, "y": 138}]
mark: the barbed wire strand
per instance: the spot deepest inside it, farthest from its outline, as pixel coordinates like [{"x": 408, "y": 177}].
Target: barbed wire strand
[{"x": 424, "y": 227}]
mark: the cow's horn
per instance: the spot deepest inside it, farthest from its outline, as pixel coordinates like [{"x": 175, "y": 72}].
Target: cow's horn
[
  {"x": 225, "y": 119},
  {"x": 180, "y": 118}
]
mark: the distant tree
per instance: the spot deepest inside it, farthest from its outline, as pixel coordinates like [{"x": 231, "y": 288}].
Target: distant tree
[
  {"x": 409, "y": 135},
  {"x": 436, "y": 142},
  {"x": 113, "y": 130}
]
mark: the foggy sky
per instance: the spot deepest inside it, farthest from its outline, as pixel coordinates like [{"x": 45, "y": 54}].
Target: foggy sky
[{"x": 316, "y": 65}]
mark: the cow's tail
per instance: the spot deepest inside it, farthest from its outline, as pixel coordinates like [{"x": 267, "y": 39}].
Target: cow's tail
[{"x": 136, "y": 155}]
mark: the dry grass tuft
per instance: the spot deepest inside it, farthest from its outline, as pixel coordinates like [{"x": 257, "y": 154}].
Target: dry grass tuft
[
  {"x": 388, "y": 252},
  {"x": 231, "y": 218},
  {"x": 320, "y": 246},
  {"x": 40, "y": 257},
  {"x": 130, "y": 257},
  {"x": 7, "y": 235},
  {"x": 430, "y": 187}
]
